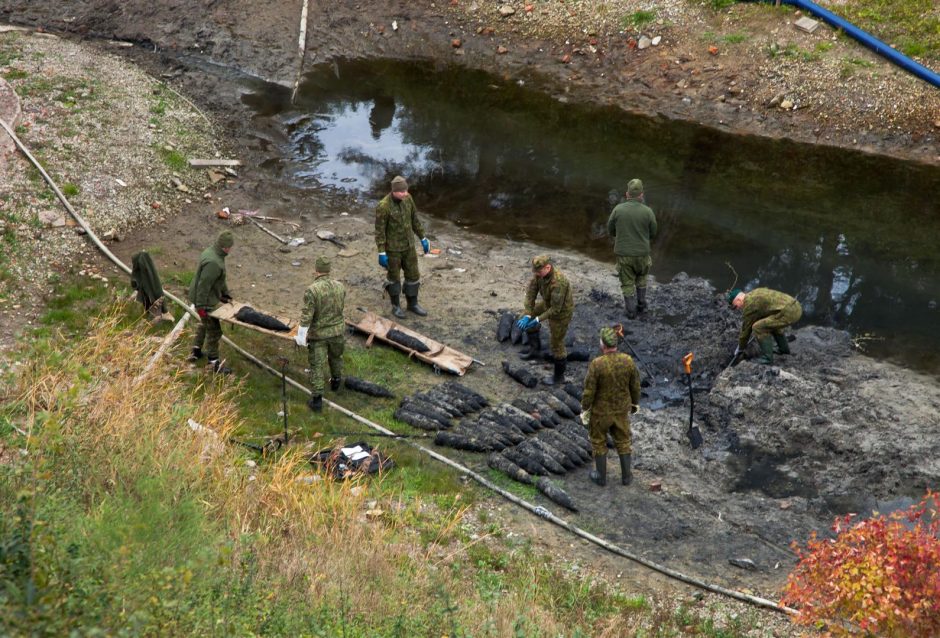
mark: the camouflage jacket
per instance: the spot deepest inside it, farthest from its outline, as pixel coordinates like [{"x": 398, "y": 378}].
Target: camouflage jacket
[
  {"x": 323, "y": 308},
  {"x": 632, "y": 224},
  {"x": 396, "y": 223},
  {"x": 611, "y": 385},
  {"x": 556, "y": 293},
  {"x": 760, "y": 303},
  {"x": 208, "y": 285}
]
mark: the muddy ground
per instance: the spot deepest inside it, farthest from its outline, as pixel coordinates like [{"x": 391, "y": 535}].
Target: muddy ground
[{"x": 787, "y": 447}]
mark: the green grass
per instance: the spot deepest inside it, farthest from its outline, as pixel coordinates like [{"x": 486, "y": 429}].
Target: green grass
[
  {"x": 639, "y": 19},
  {"x": 15, "y": 74},
  {"x": 69, "y": 189},
  {"x": 172, "y": 158},
  {"x": 718, "y": 5},
  {"x": 734, "y": 38},
  {"x": 913, "y": 26}
]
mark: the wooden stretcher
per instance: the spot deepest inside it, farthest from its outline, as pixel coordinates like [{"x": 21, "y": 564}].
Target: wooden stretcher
[
  {"x": 227, "y": 311},
  {"x": 441, "y": 356}
]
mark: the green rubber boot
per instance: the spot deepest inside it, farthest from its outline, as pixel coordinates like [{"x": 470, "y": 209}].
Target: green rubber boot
[
  {"x": 766, "y": 351},
  {"x": 599, "y": 474},
  {"x": 783, "y": 346}
]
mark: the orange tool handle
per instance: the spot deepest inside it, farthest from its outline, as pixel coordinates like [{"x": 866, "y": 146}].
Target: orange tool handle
[{"x": 687, "y": 362}]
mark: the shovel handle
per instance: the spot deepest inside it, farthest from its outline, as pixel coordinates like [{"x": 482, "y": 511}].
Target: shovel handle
[{"x": 687, "y": 362}]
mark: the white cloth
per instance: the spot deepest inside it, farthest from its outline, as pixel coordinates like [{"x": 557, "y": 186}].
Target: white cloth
[{"x": 301, "y": 338}]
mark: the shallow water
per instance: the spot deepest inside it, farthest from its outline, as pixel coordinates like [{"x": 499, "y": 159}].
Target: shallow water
[{"x": 853, "y": 237}]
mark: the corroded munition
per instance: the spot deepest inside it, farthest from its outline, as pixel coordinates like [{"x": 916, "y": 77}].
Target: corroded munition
[
  {"x": 366, "y": 387},
  {"x": 560, "y": 407},
  {"x": 526, "y": 461},
  {"x": 536, "y": 452},
  {"x": 502, "y": 464},
  {"x": 407, "y": 340},
  {"x": 520, "y": 374},
  {"x": 553, "y": 453},
  {"x": 427, "y": 409},
  {"x": 416, "y": 420},
  {"x": 555, "y": 493},
  {"x": 573, "y": 404}
]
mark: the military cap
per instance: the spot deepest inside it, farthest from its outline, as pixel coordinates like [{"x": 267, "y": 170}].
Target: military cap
[
  {"x": 225, "y": 239},
  {"x": 635, "y": 187},
  {"x": 608, "y": 337},
  {"x": 541, "y": 260},
  {"x": 399, "y": 184},
  {"x": 732, "y": 294},
  {"x": 323, "y": 264}
]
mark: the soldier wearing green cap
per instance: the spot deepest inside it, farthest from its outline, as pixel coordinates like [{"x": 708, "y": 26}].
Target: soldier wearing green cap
[
  {"x": 766, "y": 313},
  {"x": 396, "y": 225},
  {"x": 632, "y": 224},
  {"x": 556, "y": 307},
  {"x": 611, "y": 394},
  {"x": 207, "y": 292},
  {"x": 321, "y": 331}
]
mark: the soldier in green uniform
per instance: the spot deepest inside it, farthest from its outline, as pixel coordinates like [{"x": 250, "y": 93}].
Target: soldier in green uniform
[
  {"x": 396, "y": 225},
  {"x": 632, "y": 224},
  {"x": 207, "y": 292},
  {"x": 321, "y": 331},
  {"x": 766, "y": 313},
  {"x": 556, "y": 307},
  {"x": 611, "y": 395}
]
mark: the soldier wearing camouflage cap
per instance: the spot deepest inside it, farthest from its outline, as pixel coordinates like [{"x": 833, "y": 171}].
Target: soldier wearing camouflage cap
[
  {"x": 766, "y": 313},
  {"x": 396, "y": 225},
  {"x": 611, "y": 394},
  {"x": 321, "y": 331},
  {"x": 632, "y": 224},
  {"x": 556, "y": 307},
  {"x": 207, "y": 292}
]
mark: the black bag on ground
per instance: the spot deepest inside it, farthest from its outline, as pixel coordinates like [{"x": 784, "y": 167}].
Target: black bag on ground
[{"x": 356, "y": 458}]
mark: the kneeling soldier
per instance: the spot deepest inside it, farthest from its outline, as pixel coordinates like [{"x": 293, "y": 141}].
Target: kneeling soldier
[
  {"x": 556, "y": 307},
  {"x": 611, "y": 395}
]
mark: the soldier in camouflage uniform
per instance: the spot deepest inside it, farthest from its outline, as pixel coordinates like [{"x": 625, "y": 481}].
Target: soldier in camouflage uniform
[
  {"x": 556, "y": 307},
  {"x": 766, "y": 313},
  {"x": 611, "y": 395},
  {"x": 396, "y": 224},
  {"x": 322, "y": 316},
  {"x": 632, "y": 224},
  {"x": 207, "y": 292}
]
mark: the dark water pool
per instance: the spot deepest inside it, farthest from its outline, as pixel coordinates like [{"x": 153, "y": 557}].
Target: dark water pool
[{"x": 854, "y": 237}]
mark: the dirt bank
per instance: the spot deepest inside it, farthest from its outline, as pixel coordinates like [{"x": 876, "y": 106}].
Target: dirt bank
[{"x": 745, "y": 69}]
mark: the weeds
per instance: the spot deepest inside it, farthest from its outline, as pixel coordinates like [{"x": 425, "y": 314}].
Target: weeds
[
  {"x": 639, "y": 19},
  {"x": 175, "y": 160}
]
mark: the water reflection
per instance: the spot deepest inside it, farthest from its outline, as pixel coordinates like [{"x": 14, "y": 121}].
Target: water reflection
[{"x": 854, "y": 237}]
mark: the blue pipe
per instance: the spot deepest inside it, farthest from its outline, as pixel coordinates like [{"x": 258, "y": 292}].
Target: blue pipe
[{"x": 869, "y": 41}]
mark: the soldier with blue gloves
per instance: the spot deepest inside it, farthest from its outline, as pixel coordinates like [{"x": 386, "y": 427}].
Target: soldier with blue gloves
[
  {"x": 396, "y": 225},
  {"x": 556, "y": 308}
]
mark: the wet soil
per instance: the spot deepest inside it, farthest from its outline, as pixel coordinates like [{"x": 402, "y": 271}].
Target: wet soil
[{"x": 787, "y": 447}]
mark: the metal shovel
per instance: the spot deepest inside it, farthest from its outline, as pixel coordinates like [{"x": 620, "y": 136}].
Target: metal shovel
[{"x": 694, "y": 434}]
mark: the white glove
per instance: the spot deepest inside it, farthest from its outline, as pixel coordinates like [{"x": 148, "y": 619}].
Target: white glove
[
  {"x": 737, "y": 350},
  {"x": 586, "y": 418},
  {"x": 634, "y": 408},
  {"x": 301, "y": 338}
]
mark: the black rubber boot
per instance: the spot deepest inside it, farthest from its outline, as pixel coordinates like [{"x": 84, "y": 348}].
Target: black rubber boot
[
  {"x": 629, "y": 306},
  {"x": 783, "y": 346},
  {"x": 599, "y": 473},
  {"x": 396, "y": 306},
  {"x": 195, "y": 355},
  {"x": 336, "y": 383},
  {"x": 626, "y": 473},
  {"x": 315, "y": 403},
  {"x": 535, "y": 347},
  {"x": 766, "y": 351},
  {"x": 558, "y": 375},
  {"x": 415, "y": 307},
  {"x": 218, "y": 367},
  {"x": 641, "y": 300}
]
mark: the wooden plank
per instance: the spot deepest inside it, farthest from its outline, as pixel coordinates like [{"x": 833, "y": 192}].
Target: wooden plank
[
  {"x": 203, "y": 163},
  {"x": 227, "y": 311},
  {"x": 440, "y": 355}
]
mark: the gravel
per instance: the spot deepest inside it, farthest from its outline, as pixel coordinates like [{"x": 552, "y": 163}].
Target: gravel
[{"x": 104, "y": 131}]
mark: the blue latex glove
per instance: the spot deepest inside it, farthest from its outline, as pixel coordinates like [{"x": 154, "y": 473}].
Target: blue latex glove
[
  {"x": 523, "y": 322},
  {"x": 383, "y": 260},
  {"x": 533, "y": 323},
  {"x": 426, "y": 245}
]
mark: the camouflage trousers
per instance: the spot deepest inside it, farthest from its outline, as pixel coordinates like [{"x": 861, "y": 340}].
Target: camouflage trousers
[
  {"x": 632, "y": 272},
  {"x": 619, "y": 428},
  {"x": 558, "y": 329},
  {"x": 210, "y": 333},
  {"x": 399, "y": 260},
  {"x": 320, "y": 354},
  {"x": 775, "y": 323}
]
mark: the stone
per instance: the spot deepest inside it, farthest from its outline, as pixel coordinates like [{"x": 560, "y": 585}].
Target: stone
[
  {"x": 656, "y": 486},
  {"x": 743, "y": 563},
  {"x": 506, "y": 11},
  {"x": 644, "y": 43},
  {"x": 501, "y": 50},
  {"x": 51, "y": 218},
  {"x": 786, "y": 105},
  {"x": 655, "y": 41},
  {"x": 806, "y": 24}
]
